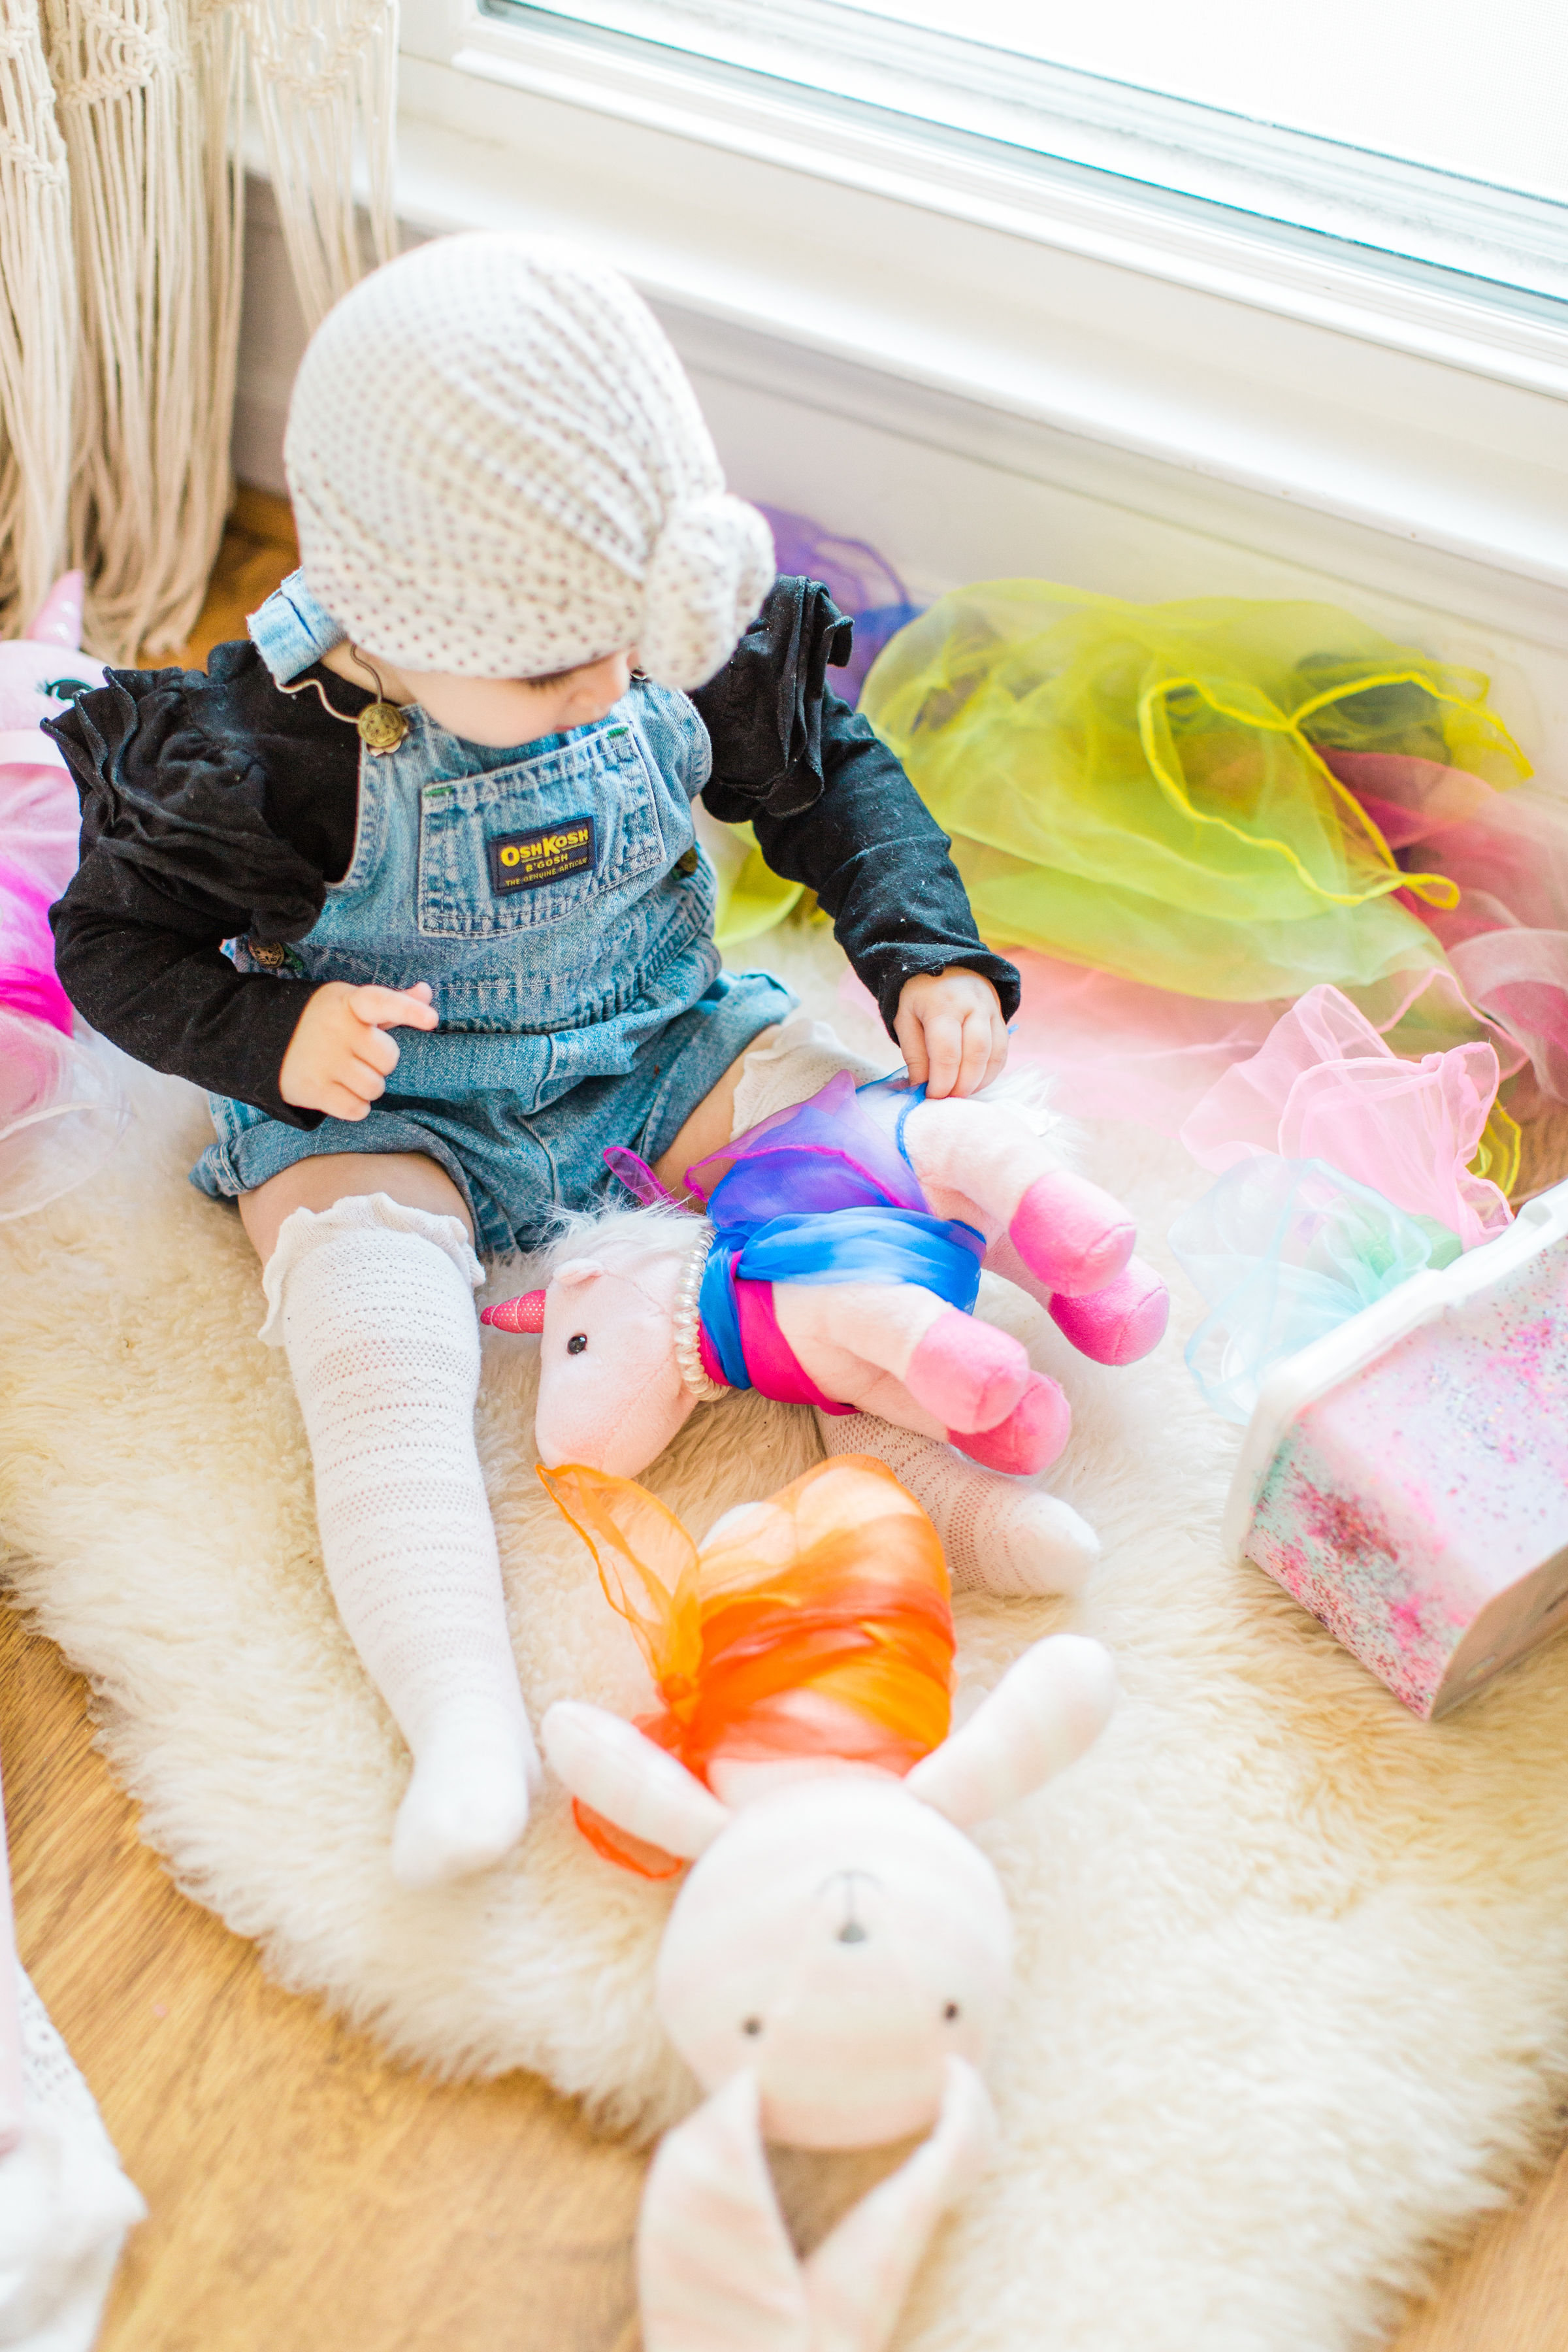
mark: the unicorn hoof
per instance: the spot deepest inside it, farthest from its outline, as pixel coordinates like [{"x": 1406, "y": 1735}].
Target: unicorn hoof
[
  {"x": 1072, "y": 1236},
  {"x": 1121, "y": 1322},
  {"x": 1031, "y": 1437},
  {"x": 969, "y": 1374}
]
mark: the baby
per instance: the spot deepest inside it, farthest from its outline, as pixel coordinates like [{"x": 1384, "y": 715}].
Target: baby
[{"x": 445, "y": 791}]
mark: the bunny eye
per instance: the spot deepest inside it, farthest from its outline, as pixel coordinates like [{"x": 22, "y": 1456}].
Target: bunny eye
[
  {"x": 951, "y": 2012},
  {"x": 753, "y": 2025},
  {"x": 576, "y": 1343},
  {"x": 64, "y": 689}
]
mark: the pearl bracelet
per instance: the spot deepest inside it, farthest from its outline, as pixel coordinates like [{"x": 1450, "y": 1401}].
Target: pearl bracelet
[{"x": 688, "y": 1346}]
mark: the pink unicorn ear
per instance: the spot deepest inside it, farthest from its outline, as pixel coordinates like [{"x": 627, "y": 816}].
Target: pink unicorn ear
[
  {"x": 574, "y": 1271},
  {"x": 57, "y": 621},
  {"x": 524, "y": 1314}
]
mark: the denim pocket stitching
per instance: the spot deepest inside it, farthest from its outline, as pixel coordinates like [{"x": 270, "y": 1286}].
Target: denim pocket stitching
[{"x": 456, "y": 899}]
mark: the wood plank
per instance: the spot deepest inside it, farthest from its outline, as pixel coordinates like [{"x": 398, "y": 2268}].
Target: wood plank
[
  {"x": 1510, "y": 2291},
  {"x": 303, "y": 2190},
  {"x": 258, "y": 551}
]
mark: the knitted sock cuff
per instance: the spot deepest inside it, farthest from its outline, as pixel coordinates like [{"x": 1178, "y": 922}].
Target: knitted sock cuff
[{"x": 306, "y": 1229}]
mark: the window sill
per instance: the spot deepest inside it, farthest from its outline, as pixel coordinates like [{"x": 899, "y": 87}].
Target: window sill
[
  {"x": 1097, "y": 192},
  {"x": 972, "y": 333}
]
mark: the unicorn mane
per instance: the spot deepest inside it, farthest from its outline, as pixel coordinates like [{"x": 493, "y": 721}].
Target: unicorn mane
[{"x": 660, "y": 1230}]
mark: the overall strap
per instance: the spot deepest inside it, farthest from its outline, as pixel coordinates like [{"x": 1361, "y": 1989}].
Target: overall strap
[{"x": 292, "y": 629}]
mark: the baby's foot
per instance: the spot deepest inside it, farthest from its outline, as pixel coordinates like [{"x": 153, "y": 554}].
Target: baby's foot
[{"x": 467, "y": 1803}]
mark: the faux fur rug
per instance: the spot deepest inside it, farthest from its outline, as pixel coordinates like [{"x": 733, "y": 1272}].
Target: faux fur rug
[{"x": 1292, "y": 2003}]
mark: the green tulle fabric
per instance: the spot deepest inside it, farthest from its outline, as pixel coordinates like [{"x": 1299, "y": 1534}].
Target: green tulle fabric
[
  {"x": 1141, "y": 787},
  {"x": 752, "y": 899}
]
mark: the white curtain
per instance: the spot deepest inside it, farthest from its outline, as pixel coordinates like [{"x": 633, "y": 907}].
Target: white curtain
[{"x": 121, "y": 201}]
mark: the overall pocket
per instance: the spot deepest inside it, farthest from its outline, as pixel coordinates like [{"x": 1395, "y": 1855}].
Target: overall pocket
[{"x": 527, "y": 846}]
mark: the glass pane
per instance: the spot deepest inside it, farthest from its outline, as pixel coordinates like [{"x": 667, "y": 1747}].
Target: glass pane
[{"x": 1483, "y": 92}]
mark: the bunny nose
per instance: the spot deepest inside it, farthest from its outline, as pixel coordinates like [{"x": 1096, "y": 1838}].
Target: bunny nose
[{"x": 847, "y": 1885}]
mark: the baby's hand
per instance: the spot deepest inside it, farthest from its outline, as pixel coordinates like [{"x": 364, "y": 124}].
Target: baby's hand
[
  {"x": 951, "y": 1028},
  {"x": 340, "y": 1055}
]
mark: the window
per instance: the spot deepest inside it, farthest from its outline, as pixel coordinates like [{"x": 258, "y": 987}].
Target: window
[
  {"x": 1066, "y": 242},
  {"x": 1405, "y": 131}
]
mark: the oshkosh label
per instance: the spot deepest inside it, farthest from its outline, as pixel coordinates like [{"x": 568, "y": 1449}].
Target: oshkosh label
[{"x": 523, "y": 861}]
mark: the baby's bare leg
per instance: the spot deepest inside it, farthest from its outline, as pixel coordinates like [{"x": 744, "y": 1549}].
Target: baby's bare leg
[
  {"x": 411, "y": 1178},
  {"x": 710, "y": 1125},
  {"x": 370, "y": 1276}
]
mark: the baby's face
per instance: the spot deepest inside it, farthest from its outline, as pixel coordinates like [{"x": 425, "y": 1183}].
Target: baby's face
[{"x": 500, "y": 711}]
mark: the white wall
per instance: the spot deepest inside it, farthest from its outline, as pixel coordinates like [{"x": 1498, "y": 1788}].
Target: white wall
[{"x": 950, "y": 489}]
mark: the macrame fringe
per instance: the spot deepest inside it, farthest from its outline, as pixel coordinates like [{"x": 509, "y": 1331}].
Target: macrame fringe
[
  {"x": 326, "y": 95},
  {"x": 148, "y": 94},
  {"x": 38, "y": 311},
  {"x": 122, "y": 229}
]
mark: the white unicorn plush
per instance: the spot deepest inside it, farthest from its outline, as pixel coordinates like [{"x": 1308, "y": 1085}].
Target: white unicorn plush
[
  {"x": 836, "y": 1960},
  {"x": 838, "y": 1267}
]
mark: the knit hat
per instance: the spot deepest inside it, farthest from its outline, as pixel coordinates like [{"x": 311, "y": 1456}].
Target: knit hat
[{"x": 499, "y": 470}]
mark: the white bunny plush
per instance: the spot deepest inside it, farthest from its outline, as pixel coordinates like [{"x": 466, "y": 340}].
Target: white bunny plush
[{"x": 838, "y": 1955}]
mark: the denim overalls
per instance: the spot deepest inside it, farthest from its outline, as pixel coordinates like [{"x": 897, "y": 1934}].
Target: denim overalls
[{"x": 556, "y": 901}]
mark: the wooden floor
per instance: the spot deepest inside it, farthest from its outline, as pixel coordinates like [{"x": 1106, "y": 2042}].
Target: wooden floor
[{"x": 304, "y": 2193}]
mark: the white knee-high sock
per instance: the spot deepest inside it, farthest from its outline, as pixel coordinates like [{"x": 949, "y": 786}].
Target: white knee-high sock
[
  {"x": 373, "y": 1303},
  {"x": 999, "y": 1535}
]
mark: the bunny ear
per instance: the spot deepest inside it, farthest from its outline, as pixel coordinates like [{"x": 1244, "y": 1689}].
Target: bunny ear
[
  {"x": 613, "y": 1768},
  {"x": 1049, "y": 1706},
  {"x": 57, "y": 621},
  {"x": 523, "y": 1314},
  {"x": 715, "y": 2266}
]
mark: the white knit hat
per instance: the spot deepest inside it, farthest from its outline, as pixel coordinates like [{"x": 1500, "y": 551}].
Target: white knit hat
[{"x": 499, "y": 470}]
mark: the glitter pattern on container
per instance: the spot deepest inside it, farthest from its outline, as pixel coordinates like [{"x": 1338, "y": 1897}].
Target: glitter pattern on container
[{"x": 1419, "y": 1508}]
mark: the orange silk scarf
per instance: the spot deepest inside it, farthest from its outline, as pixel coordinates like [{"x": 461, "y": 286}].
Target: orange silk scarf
[{"x": 818, "y": 1623}]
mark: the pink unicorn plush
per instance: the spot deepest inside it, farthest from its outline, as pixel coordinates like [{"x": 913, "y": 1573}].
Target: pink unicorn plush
[{"x": 837, "y": 1266}]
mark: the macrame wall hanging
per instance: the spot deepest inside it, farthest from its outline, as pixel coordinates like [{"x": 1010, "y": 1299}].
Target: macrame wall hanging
[
  {"x": 122, "y": 228},
  {"x": 326, "y": 95},
  {"x": 38, "y": 318},
  {"x": 147, "y": 94}
]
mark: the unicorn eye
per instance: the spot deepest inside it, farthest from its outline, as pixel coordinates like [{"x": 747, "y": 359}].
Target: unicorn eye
[
  {"x": 64, "y": 689},
  {"x": 576, "y": 1343},
  {"x": 951, "y": 2012},
  {"x": 753, "y": 2025}
]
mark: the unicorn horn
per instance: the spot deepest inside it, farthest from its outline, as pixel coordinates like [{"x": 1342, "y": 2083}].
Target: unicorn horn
[
  {"x": 57, "y": 621},
  {"x": 524, "y": 1314}
]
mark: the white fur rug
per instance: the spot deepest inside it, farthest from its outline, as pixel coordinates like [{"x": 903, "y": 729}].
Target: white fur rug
[{"x": 1293, "y": 1995}]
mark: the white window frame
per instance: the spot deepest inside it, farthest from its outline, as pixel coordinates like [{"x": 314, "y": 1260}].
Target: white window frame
[
  {"x": 1424, "y": 260},
  {"x": 1185, "y": 358}
]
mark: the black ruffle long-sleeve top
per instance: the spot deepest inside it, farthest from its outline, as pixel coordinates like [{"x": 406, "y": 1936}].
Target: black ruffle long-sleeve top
[{"x": 214, "y": 805}]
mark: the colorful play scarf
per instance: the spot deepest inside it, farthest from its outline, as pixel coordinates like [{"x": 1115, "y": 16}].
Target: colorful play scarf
[
  {"x": 1150, "y": 789},
  {"x": 818, "y": 1193},
  {"x": 816, "y": 1623},
  {"x": 1346, "y": 1170}
]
